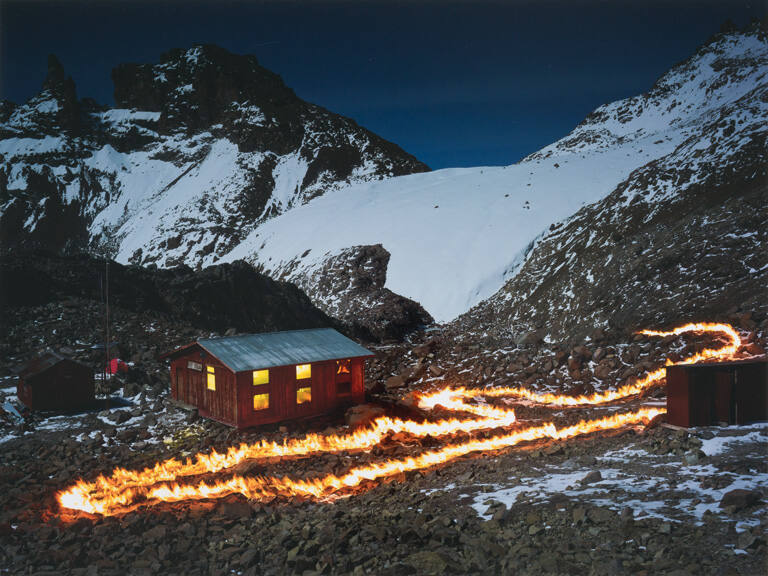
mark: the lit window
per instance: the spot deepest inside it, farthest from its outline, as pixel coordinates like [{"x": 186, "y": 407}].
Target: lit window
[
  {"x": 304, "y": 395},
  {"x": 342, "y": 366},
  {"x": 303, "y": 371},
  {"x": 211, "y": 381},
  {"x": 260, "y": 377},
  {"x": 260, "y": 401}
]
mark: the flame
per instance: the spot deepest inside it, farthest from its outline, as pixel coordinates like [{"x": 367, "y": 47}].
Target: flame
[
  {"x": 444, "y": 396},
  {"x": 167, "y": 481}
]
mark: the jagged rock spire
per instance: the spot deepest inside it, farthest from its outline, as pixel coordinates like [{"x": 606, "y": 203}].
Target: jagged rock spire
[{"x": 55, "y": 77}]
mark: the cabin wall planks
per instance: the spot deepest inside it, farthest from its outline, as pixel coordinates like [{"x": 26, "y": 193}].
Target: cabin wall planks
[{"x": 232, "y": 401}]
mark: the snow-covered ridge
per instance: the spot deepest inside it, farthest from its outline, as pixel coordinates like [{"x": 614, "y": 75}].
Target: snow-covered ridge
[
  {"x": 455, "y": 236},
  {"x": 201, "y": 148},
  {"x": 181, "y": 172}
]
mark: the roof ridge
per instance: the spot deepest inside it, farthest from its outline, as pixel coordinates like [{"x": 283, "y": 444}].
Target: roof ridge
[{"x": 267, "y": 333}]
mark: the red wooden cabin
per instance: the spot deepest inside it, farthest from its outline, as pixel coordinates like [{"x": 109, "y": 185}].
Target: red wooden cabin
[
  {"x": 54, "y": 382},
  {"x": 713, "y": 393},
  {"x": 255, "y": 379}
]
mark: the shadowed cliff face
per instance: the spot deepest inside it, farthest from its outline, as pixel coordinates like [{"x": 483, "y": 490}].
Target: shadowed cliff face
[{"x": 217, "y": 298}]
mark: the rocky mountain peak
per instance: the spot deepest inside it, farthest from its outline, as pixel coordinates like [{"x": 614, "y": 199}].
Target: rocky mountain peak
[
  {"x": 197, "y": 87},
  {"x": 199, "y": 137},
  {"x": 55, "y": 109},
  {"x": 58, "y": 84},
  {"x": 721, "y": 71}
]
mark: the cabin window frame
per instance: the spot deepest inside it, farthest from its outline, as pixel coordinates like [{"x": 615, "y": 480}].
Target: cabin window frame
[
  {"x": 303, "y": 384},
  {"x": 344, "y": 367},
  {"x": 258, "y": 374},
  {"x": 303, "y": 393},
  {"x": 260, "y": 390},
  {"x": 343, "y": 377},
  {"x": 303, "y": 372},
  {"x": 263, "y": 393},
  {"x": 210, "y": 377}
]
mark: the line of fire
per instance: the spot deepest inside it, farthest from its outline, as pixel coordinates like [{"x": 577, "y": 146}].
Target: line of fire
[{"x": 251, "y": 380}]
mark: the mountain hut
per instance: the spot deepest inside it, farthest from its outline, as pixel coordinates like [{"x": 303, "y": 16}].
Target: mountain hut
[{"x": 253, "y": 379}]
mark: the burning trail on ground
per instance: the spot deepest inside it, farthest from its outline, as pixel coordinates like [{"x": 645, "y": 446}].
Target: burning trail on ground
[
  {"x": 173, "y": 480},
  {"x": 447, "y": 395}
]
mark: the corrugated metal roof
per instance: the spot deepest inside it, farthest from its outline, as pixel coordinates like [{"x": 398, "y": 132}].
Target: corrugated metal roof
[{"x": 257, "y": 351}]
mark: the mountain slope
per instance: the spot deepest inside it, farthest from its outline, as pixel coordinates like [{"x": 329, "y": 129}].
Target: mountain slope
[
  {"x": 210, "y": 158},
  {"x": 198, "y": 150},
  {"x": 455, "y": 236},
  {"x": 674, "y": 241}
]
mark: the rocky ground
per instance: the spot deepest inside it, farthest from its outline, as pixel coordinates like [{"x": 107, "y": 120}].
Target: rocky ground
[{"x": 640, "y": 501}]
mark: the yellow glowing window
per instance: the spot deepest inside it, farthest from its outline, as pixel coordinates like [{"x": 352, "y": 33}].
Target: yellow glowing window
[
  {"x": 304, "y": 395},
  {"x": 303, "y": 371},
  {"x": 211, "y": 380},
  {"x": 342, "y": 366},
  {"x": 260, "y": 401},
  {"x": 260, "y": 377}
]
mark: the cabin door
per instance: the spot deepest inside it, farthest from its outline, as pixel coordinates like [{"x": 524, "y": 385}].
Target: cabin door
[
  {"x": 181, "y": 386},
  {"x": 194, "y": 385},
  {"x": 725, "y": 404}
]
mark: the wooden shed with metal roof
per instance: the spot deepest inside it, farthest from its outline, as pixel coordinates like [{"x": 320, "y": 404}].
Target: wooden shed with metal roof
[
  {"x": 708, "y": 394},
  {"x": 253, "y": 379},
  {"x": 51, "y": 381}
]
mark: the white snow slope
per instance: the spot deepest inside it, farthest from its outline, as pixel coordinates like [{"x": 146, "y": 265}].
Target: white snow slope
[{"x": 456, "y": 235}]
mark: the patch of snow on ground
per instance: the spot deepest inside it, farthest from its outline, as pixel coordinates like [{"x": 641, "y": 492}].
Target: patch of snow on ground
[
  {"x": 664, "y": 489},
  {"x": 718, "y": 444}
]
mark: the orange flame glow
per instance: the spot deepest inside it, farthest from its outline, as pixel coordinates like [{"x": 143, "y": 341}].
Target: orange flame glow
[
  {"x": 168, "y": 481},
  {"x": 446, "y": 395}
]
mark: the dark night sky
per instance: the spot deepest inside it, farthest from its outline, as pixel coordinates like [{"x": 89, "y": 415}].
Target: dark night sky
[{"x": 456, "y": 84}]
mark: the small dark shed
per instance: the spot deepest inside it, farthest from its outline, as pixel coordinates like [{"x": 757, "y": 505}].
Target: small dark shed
[
  {"x": 54, "y": 382},
  {"x": 255, "y": 379},
  {"x": 709, "y": 394}
]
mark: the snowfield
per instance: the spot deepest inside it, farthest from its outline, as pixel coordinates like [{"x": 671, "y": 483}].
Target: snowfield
[{"x": 456, "y": 235}]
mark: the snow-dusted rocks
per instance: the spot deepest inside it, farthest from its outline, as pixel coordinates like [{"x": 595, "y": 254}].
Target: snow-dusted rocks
[{"x": 349, "y": 286}]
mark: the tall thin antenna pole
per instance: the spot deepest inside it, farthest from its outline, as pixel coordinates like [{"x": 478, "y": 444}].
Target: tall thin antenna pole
[
  {"x": 106, "y": 344},
  {"x": 103, "y": 370}
]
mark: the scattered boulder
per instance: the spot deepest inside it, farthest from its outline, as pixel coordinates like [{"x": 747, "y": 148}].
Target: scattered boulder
[
  {"x": 582, "y": 351},
  {"x": 394, "y": 382},
  {"x": 436, "y": 371},
  {"x": 363, "y": 414},
  {"x": 599, "y": 354},
  {"x": 561, "y": 357},
  {"x": 119, "y": 416},
  {"x": 739, "y": 499},
  {"x": 428, "y": 562},
  {"x": 236, "y": 509},
  {"x": 529, "y": 338},
  {"x": 574, "y": 363},
  {"x": 693, "y": 457},
  {"x": 592, "y": 477}
]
